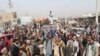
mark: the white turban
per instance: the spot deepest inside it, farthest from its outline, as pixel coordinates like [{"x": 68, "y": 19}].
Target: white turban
[{"x": 28, "y": 41}]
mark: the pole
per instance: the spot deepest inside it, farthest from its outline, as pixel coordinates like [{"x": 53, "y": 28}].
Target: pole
[
  {"x": 97, "y": 16},
  {"x": 10, "y": 7},
  {"x": 96, "y": 11}
]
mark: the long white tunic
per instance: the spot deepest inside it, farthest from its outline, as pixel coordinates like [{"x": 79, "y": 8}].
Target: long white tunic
[
  {"x": 90, "y": 51},
  {"x": 76, "y": 44}
]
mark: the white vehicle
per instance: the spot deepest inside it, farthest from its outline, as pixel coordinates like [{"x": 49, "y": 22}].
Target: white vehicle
[{"x": 78, "y": 30}]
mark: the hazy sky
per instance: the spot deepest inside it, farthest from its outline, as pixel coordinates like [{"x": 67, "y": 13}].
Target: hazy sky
[{"x": 41, "y": 8}]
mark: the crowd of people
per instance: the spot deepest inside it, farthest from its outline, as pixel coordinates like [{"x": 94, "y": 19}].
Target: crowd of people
[{"x": 32, "y": 41}]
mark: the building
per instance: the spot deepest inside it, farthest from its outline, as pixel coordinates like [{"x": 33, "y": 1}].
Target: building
[
  {"x": 7, "y": 17},
  {"x": 25, "y": 20},
  {"x": 88, "y": 20}
]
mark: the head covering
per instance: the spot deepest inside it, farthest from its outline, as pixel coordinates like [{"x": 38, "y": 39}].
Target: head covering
[
  {"x": 77, "y": 35},
  {"x": 56, "y": 35},
  {"x": 28, "y": 41},
  {"x": 97, "y": 39}
]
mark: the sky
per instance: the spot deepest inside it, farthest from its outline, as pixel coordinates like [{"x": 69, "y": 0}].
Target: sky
[{"x": 41, "y": 8}]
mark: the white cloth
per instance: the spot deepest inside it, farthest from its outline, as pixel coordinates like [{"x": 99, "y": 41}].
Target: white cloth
[
  {"x": 58, "y": 27},
  {"x": 70, "y": 42},
  {"x": 4, "y": 51},
  {"x": 28, "y": 41},
  {"x": 41, "y": 47},
  {"x": 97, "y": 44},
  {"x": 23, "y": 53},
  {"x": 44, "y": 48},
  {"x": 76, "y": 44},
  {"x": 90, "y": 51}
]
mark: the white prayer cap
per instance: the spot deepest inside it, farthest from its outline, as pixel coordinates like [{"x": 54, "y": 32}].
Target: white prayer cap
[
  {"x": 28, "y": 41},
  {"x": 77, "y": 35}
]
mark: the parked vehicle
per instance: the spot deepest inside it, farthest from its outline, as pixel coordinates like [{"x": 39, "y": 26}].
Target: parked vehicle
[{"x": 5, "y": 40}]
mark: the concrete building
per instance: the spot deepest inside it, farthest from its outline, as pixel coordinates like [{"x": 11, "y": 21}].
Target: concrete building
[{"x": 7, "y": 17}]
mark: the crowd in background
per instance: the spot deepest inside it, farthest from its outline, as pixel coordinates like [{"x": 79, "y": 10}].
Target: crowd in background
[{"x": 32, "y": 41}]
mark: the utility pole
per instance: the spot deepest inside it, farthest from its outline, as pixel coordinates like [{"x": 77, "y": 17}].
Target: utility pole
[
  {"x": 96, "y": 20},
  {"x": 10, "y": 7},
  {"x": 10, "y": 4}
]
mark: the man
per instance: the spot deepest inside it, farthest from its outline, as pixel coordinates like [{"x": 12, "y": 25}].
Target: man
[
  {"x": 49, "y": 45},
  {"x": 91, "y": 49},
  {"x": 69, "y": 48},
  {"x": 14, "y": 48},
  {"x": 75, "y": 45},
  {"x": 58, "y": 47},
  {"x": 72, "y": 47},
  {"x": 29, "y": 48},
  {"x": 36, "y": 48}
]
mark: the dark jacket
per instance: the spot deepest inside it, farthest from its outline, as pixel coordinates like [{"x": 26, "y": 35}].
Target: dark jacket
[{"x": 14, "y": 50}]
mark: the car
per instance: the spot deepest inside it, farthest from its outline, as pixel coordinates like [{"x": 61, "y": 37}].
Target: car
[
  {"x": 6, "y": 40},
  {"x": 78, "y": 30}
]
